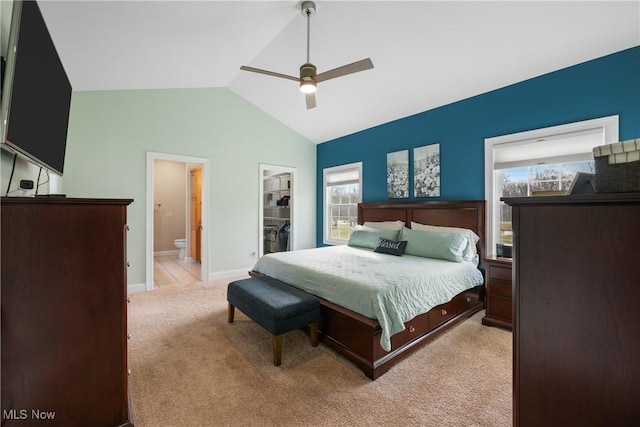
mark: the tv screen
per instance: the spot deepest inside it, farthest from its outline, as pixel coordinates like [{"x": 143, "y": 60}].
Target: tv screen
[{"x": 36, "y": 94}]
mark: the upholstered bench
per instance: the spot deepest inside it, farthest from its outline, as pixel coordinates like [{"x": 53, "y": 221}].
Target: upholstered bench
[{"x": 276, "y": 306}]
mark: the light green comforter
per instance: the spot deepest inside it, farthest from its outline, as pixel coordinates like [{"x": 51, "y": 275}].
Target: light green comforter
[{"x": 390, "y": 289}]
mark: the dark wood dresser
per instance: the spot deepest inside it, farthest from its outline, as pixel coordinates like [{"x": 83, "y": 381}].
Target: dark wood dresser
[
  {"x": 64, "y": 312},
  {"x": 576, "y": 326},
  {"x": 499, "y": 310}
]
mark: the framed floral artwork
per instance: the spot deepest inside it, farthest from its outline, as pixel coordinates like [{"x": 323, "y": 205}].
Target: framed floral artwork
[
  {"x": 398, "y": 174},
  {"x": 426, "y": 171}
]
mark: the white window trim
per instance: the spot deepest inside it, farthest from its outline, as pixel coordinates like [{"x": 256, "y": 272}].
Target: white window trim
[
  {"x": 608, "y": 125},
  {"x": 326, "y": 220}
]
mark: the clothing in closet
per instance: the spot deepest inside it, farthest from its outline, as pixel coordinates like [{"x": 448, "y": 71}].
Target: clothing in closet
[{"x": 282, "y": 238}]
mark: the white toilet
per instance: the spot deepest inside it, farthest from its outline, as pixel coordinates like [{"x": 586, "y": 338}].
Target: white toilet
[{"x": 182, "y": 245}]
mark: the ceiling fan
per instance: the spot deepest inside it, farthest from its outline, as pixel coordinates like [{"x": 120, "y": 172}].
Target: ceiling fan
[{"x": 308, "y": 74}]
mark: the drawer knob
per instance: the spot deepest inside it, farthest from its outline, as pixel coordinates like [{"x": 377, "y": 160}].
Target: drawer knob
[
  {"x": 126, "y": 227},
  {"x": 444, "y": 312},
  {"x": 468, "y": 299},
  {"x": 412, "y": 329},
  {"x": 128, "y": 336}
]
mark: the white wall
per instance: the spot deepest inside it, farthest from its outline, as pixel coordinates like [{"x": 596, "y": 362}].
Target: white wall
[{"x": 111, "y": 131}]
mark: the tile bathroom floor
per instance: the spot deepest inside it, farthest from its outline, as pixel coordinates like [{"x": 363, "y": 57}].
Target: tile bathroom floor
[{"x": 169, "y": 270}]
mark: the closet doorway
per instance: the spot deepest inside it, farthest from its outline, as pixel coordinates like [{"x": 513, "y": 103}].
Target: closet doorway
[
  {"x": 276, "y": 225},
  {"x": 192, "y": 206}
]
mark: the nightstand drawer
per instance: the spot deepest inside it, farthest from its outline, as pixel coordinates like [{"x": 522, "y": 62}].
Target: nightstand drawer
[
  {"x": 499, "y": 292},
  {"x": 500, "y": 308},
  {"x": 499, "y": 288},
  {"x": 499, "y": 273}
]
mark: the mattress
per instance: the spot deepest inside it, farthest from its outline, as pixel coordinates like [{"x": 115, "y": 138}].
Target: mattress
[{"x": 391, "y": 289}]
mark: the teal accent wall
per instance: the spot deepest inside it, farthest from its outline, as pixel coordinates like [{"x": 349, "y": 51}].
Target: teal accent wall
[{"x": 602, "y": 87}]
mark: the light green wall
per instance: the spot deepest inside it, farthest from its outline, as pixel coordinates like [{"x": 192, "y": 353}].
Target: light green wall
[{"x": 110, "y": 133}]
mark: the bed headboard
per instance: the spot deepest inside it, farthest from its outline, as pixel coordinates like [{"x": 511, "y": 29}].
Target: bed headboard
[{"x": 464, "y": 214}]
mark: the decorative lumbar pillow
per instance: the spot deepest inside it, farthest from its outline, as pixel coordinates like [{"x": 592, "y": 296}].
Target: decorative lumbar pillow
[
  {"x": 431, "y": 244},
  {"x": 367, "y": 237},
  {"x": 392, "y": 247}
]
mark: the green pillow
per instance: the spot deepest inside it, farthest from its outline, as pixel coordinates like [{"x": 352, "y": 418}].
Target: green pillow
[
  {"x": 431, "y": 244},
  {"x": 367, "y": 237}
]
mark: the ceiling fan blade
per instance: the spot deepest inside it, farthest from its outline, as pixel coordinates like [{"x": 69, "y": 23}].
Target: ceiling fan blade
[
  {"x": 311, "y": 100},
  {"x": 354, "y": 67},
  {"x": 269, "y": 73}
]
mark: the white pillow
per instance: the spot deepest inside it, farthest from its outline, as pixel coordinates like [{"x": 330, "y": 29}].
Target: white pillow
[
  {"x": 470, "y": 252},
  {"x": 385, "y": 225}
]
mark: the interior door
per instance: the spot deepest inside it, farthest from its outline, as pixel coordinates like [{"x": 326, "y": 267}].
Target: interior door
[{"x": 196, "y": 213}]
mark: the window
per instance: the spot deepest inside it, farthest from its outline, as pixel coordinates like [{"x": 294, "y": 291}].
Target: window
[
  {"x": 531, "y": 180},
  {"x": 342, "y": 193},
  {"x": 526, "y": 163}
]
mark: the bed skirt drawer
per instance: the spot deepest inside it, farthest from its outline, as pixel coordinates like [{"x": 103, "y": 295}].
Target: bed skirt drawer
[
  {"x": 468, "y": 299},
  {"x": 442, "y": 313},
  {"x": 415, "y": 327}
]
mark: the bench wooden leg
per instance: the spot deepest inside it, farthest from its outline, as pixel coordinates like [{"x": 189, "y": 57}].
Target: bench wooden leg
[
  {"x": 277, "y": 349},
  {"x": 314, "y": 334},
  {"x": 231, "y": 311}
]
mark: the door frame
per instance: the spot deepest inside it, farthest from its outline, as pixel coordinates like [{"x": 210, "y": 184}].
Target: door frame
[
  {"x": 277, "y": 169},
  {"x": 204, "y": 249}
]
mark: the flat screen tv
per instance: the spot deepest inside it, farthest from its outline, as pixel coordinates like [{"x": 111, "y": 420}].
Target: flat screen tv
[{"x": 36, "y": 92}]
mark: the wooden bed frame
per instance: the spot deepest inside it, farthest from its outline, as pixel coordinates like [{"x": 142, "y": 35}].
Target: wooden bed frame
[{"x": 357, "y": 337}]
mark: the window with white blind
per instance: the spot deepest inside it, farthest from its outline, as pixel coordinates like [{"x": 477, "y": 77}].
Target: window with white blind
[
  {"x": 542, "y": 161},
  {"x": 342, "y": 193}
]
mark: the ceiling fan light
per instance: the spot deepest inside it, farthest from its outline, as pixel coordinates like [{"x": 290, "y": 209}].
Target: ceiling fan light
[{"x": 308, "y": 86}]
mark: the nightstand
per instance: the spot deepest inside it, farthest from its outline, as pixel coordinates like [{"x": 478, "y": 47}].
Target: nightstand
[{"x": 499, "y": 310}]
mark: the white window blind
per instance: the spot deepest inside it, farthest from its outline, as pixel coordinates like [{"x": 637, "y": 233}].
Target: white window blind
[{"x": 563, "y": 148}]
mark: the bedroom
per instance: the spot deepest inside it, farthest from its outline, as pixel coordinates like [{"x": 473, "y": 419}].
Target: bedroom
[{"x": 118, "y": 127}]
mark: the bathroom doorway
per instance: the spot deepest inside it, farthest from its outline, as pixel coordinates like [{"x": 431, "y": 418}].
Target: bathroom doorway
[{"x": 177, "y": 208}]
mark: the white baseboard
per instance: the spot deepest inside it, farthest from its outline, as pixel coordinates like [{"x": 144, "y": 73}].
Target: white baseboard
[
  {"x": 166, "y": 253},
  {"x": 228, "y": 274},
  {"x": 136, "y": 288}
]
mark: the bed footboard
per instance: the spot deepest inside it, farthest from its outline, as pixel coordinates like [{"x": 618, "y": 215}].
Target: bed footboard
[{"x": 357, "y": 337}]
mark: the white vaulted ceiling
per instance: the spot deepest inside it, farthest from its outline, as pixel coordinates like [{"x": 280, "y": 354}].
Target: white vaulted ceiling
[{"x": 426, "y": 53}]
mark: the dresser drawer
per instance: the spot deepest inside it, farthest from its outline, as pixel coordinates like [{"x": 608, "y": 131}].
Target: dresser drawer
[
  {"x": 499, "y": 288},
  {"x": 442, "y": 313},
  {"x": 413, "y": 328},
  {"x": 498, "y": 272}
]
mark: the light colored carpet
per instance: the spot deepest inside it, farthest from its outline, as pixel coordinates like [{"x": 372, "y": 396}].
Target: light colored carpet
[{"x": 189, "y": 367}]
